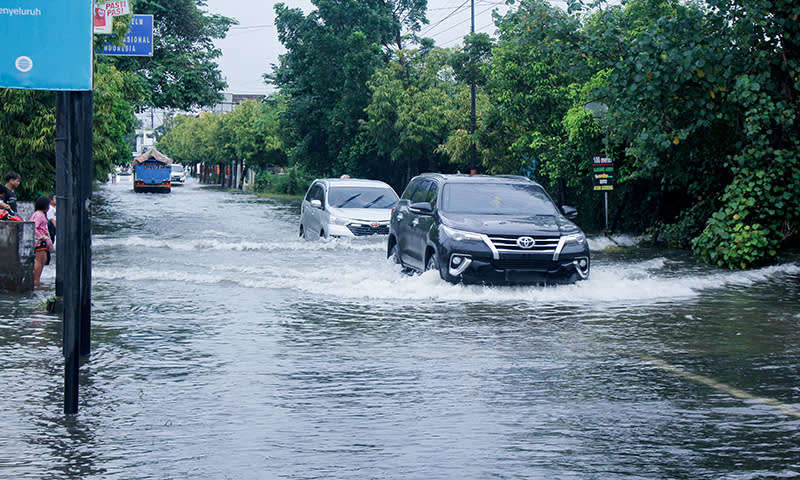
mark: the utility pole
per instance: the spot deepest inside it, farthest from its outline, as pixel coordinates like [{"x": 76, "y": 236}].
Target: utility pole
[
  {"x": 74, "y": 191},
  {"x": 472, "y": 117}
]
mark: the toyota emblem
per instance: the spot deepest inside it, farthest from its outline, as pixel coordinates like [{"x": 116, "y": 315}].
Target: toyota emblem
[{"x": 526, "y": 242}]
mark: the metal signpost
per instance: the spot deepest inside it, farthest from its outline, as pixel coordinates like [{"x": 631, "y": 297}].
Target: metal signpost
[
  {"x": 603, "y": 178},
  {"x": 47, "y": 45}
]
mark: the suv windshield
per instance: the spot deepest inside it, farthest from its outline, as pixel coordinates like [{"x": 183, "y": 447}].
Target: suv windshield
[
  {"x": 361, "y": 197},
  {"x": 496, "y": 199},
  {"x": 177, "y": 168}
]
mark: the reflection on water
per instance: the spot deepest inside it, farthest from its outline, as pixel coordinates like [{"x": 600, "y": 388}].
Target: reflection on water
[{"x": 224, "y": 346}]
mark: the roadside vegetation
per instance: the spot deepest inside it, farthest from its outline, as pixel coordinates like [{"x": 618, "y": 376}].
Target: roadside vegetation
[{"x": 702, "y": 118}]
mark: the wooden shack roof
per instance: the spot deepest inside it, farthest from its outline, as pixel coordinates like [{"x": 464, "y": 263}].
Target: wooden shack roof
[{"x": 152, "y": 153}]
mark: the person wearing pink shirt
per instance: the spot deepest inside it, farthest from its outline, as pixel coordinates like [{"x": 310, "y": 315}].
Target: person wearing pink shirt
[{"x": 43, "y": 243}]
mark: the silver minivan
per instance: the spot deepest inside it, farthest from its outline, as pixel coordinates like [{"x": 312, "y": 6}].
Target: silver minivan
[{"x": 346, "y": 207}]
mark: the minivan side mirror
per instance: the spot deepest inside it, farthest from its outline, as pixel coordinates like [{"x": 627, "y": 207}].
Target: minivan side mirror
[
  {"x": 316, "y": 203},
  {"x": 569, "y": 212},
  {"x": 421, "y": 208}
]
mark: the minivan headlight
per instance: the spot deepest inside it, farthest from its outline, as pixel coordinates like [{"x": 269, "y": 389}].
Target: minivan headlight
[
  {"x": 339, "y": 220},
  {"x": 460, "y": 235}
]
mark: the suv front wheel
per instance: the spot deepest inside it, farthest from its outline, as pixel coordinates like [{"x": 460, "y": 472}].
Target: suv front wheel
[{"x": 433, "y": 264}]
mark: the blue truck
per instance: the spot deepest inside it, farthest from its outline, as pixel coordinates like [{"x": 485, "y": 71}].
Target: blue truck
[{"x": 151, "y": 172}]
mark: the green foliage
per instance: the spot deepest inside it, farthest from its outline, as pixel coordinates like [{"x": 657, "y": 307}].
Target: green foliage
[
  {"x": 760, "y": 213},
  {"x": 411, "y": 113},
  {"x": 535, "y": 88},
  {"x": 469, "y": 62},
  {"x": 27, "y": 146},
  {"x": 251, "y": 133},
  {"x": 195, "y": 140},
  {"x": 294, "y": 181},
  {"x": 703, "y": 103},
  {"x": 331, "y": 54},
  {"x": 113, "y": 118}
]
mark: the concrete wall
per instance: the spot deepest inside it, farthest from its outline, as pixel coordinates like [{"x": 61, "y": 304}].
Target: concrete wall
[{"x": 16, "y": 256}]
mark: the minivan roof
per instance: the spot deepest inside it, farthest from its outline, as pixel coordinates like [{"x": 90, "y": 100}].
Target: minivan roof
[{"x": 352, "y": 182}]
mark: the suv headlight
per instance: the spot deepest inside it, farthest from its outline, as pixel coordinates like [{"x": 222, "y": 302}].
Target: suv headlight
[
  {"x": 578, "y": 238},
  {"x": 460, "y": 235}
]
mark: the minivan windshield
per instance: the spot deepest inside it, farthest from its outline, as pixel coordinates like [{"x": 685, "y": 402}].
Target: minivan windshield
[
  {"x": 496, "y": 199},
  {"x": 361, "y": 197},
  {"x": 177, "y": 168}
]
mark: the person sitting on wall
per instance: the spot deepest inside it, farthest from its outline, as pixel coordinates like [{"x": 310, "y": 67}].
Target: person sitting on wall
[
  {"x": 43, "y": 245},
  {"x": 8, "y": 199}
]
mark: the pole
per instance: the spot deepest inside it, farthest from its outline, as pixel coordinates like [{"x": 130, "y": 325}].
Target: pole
[
  {"x": 73, "y": 160},
  {"x": 85, "y": 173},
  {"x": 605, "y": 194},
  {"x": 472, "y": 116}
]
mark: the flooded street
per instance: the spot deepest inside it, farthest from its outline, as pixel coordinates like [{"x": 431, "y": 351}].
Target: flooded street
[{"x": 226, "y": 347}]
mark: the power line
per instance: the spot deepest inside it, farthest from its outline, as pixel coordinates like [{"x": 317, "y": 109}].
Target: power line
[
  {"x": 252, "y": 27},
  {"x": 445, "y": 18},
  {"x": 456, "y": 39},
  {"x": 492, "y": 5}
]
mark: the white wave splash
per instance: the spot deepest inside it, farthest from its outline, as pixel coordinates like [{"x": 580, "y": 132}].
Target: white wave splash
[
  {"x": 238, "y": 244},
  {"x": 637, "y": 282}
]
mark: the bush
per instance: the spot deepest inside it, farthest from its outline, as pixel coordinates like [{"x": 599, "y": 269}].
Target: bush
[
  {"x": 759, "y": 216},
  {"x": 294, "y": 181}
]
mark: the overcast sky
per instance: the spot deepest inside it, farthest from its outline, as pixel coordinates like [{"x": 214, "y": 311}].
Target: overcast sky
[{"x": 252, "y": 46}]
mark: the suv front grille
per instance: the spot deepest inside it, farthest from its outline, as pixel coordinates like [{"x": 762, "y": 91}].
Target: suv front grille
[
  {"x": 366, "y": 229},
  {"x": 508, "y": 243},
  {"x": 529, "y": 264}
]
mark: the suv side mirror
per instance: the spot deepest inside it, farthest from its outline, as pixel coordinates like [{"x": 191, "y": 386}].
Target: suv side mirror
[
  {"x": 316, "y": 203},
  {"x": 569, "y": 212},
  {"x": 421, "y": 208}
]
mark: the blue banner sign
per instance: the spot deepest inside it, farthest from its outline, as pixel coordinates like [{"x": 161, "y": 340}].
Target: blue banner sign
[
  {"x": 46, "y": 44},
  {"x": 139, "y": 40}
]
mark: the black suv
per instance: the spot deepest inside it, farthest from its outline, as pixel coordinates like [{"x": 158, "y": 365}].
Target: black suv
[{"x": 486, "y": 229}]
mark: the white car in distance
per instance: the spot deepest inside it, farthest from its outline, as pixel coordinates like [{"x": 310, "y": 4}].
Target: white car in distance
[{"x": 178, "y": 175}]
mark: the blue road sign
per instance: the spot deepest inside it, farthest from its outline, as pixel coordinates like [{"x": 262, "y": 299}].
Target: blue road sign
[
  {"x": 138, "y": 41},
  {"x": 46, "y": 45}
]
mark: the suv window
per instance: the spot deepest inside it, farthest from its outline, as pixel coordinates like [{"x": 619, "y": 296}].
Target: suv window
[
  {"x": 431, "y": 196},
  {"x": 421, "y": 192},
  {"x": 496, "y": 199},
  {"x": 410, "y": 189}
]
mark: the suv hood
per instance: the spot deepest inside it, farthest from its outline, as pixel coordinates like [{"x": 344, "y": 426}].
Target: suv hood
[
  {"x": 511, "y": 224},
  {"x": 364, "y": 214}
]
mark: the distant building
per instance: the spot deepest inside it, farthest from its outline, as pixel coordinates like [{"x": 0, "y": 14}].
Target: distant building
[
  {"x": 145, "y": 139},
  {"x": 231, "y": 100},
  {"x": 153, "y": 118}
]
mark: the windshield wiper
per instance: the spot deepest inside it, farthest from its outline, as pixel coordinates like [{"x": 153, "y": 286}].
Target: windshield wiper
[
  {"x": 348, "y": 200},
  {"x": 373, "y": 202}
]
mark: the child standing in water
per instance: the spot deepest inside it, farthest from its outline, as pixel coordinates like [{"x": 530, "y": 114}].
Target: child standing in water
[{"x": 42, "y": 236}]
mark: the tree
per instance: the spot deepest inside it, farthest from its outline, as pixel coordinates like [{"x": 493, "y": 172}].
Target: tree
[
  {"x": 331, "y": 54},
  {"x": 251, "y": 134},
  {"x": 411, "y": 113},
  {"x": 114, "y": 92},
  {"x": 536, "y": 74},
  {"x": 27, "y": 133},
  {"x": 195, "y": 139},
  {"x": 704, "y": 102}
]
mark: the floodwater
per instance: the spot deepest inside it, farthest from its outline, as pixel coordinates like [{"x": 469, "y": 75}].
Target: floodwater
[{"x": 225, "y": 347}]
